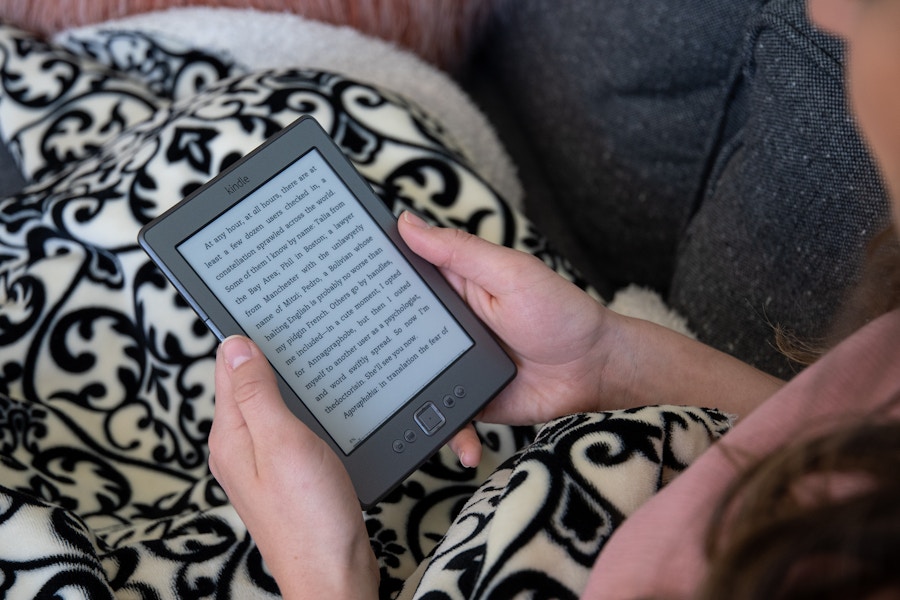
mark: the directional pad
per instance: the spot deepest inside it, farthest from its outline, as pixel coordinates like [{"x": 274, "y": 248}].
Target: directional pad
[{"x": 429, "y": 418}]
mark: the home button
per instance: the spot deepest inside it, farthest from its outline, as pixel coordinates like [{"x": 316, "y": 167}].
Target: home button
[{"x": 429, "y": 418}]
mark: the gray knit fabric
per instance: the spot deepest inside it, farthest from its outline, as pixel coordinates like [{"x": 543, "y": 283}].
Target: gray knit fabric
[{"x": 700, "y": 147}]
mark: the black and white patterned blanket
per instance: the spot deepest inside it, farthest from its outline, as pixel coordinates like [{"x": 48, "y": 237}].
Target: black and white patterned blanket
[{"x": 106, "y": 393}]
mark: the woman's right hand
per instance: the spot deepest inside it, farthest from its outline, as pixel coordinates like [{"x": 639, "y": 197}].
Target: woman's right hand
[
  {"x": 554, "y": 332},
  {"x": 574, "y": 355}
]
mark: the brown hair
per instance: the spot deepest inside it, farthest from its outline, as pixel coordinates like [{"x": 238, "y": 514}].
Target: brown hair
[{"x": 786, "y": 530}]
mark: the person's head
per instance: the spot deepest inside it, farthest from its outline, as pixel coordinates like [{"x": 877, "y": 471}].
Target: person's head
[{"x": 818, "y": 519}]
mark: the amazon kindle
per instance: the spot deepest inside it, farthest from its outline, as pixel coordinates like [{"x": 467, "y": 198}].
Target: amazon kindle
[{"x": 372, "y": 348}]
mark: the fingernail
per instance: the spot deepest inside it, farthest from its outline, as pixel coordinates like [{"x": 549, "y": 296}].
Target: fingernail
[
  {"x": 415, "y": 220},
  {"x": 236, "y": 351},
  {"x": 463, "y": 460}
]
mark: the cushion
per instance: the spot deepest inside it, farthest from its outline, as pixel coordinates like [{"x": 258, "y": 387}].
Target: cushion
[
  {"x": 792, "y": 199},
  {"x": 440, "y": 31},
  {"x": 701, "y": 148}
]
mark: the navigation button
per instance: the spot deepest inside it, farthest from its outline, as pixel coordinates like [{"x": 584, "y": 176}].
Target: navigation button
[
  {"x": 398, "y": 446},
  {"x": 429, "y": 418},
  {"x": 410, "y": 436},
  {"x": 449, "y": 401},
  {"x": 459, "y": 391}
]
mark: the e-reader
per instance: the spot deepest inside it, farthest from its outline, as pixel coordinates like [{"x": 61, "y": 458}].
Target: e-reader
[{"x": 373, "y": 349}]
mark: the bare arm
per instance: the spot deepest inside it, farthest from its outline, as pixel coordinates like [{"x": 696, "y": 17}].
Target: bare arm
[{"x": 657, "y": 365}]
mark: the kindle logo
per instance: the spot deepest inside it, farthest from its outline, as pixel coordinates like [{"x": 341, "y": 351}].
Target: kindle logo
[{"x": 238, "y": 184}]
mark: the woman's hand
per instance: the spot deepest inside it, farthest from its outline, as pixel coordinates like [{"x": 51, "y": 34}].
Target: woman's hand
[
  {"x": 555, "y": 333},
  {"x": 573, "y": 354},
  {"x": 287, "y": 485}
]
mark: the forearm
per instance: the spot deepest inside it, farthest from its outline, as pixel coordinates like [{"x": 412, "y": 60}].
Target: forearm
[
  {"x": 655, "y": 365},
  {"x": 359, "y": 584}
]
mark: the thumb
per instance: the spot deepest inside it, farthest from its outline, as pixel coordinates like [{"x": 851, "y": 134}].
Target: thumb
[
  {"x": 459, "y": 254},
  {"x": 247, "y": 393}
]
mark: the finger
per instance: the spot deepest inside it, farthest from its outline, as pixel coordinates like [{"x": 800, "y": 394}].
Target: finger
[
  {"x": 227, "y": 414},
  {"x": 251, "y": 394},
  {"x": 461, "y": 253},
  {"x": 467, "y": 446},
  {"x": 230, "y": 444}
]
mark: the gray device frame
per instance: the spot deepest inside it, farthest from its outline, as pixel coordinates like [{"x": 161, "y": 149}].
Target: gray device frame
[{"x": 375, "y": 466}]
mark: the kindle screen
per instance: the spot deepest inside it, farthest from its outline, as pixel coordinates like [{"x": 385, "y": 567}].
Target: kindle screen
[{"x": 341, "y": 315}]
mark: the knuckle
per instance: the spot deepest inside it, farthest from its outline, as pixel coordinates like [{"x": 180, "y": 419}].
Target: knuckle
[{"x": 250, "y": 388}]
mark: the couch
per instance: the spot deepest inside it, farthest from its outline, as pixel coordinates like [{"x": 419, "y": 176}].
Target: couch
[{"x": 702, "y": 149}]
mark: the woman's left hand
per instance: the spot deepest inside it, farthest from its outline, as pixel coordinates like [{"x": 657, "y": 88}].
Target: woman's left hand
[{"x": 287, "y": 485}]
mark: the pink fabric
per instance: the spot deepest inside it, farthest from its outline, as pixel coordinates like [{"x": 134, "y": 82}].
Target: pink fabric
[{"x": 658, "y": 551}]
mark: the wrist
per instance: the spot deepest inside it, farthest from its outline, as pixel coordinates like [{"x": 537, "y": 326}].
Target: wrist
[
  {"x": 357, "y": 577},
  {"x": 617, "y": 356},
  {"x": 650, "y": 364}
]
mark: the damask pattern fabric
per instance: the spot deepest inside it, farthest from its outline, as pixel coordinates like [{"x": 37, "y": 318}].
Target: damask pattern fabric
[
  {"x": 535, "y": 528},
  {"x": 106, "y": 394}
]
